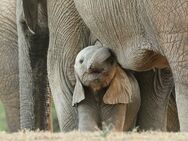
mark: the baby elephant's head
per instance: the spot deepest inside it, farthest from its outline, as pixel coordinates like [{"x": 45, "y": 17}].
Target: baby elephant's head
[{"x": 95, "y": 67}]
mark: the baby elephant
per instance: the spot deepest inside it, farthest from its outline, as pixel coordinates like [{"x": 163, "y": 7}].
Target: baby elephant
[{"x": 104, "y": 92}]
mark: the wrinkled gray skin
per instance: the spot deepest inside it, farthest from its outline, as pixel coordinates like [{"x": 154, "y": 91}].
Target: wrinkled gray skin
[
  {"x": 100, "y": 103},
  {"x": 9, "y": 85},
  {"x": 143, "y": 35},
  {"x": 32, "y": 48}
]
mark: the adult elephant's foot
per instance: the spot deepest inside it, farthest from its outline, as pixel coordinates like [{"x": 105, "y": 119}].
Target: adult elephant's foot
[{"x": 182, "y": 105}]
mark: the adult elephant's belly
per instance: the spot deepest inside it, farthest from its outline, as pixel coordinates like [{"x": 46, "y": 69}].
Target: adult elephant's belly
[
  {"x": 138, "y": 57},
  {"x": 115, "y": 23}
]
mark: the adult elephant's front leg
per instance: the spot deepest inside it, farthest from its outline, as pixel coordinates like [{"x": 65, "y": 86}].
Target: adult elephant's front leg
[
  {"x": 68, "y": 36},
  {"x": 33, "y": 45},
  {"x": 156, "y": 87}
]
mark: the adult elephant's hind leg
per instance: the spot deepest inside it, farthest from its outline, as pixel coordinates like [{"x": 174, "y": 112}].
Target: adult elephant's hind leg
[
  {"x": 170, "y": 28},
  {"x": 181, "y": 88},
  {"x": 177, "y": 55},
  {"x": 182, "y": 105},
  {"x": 155, "y": 87}
]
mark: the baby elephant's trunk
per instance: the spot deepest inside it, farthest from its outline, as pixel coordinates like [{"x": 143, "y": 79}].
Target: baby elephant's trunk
[{"x": 98, "y": 59}]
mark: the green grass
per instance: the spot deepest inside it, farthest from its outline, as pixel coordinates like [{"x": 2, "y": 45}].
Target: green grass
[{"x": 3, "y": 124}]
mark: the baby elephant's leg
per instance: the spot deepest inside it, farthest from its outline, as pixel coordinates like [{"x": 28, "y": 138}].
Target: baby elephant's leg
[
  {"x": 88, "y": 116},
  {"x": 113, "y": 116}
]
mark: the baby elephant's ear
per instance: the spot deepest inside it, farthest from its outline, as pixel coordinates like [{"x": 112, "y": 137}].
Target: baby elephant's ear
[
  {"x": 120, "y": 89},
  {"x": 78, "y": 94}
]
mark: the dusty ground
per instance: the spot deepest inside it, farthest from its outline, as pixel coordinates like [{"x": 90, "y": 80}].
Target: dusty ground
[{"x": 75, "y": 136}]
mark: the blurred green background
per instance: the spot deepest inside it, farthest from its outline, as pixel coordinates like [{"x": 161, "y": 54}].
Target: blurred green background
[{"x": 3, "y": 124}]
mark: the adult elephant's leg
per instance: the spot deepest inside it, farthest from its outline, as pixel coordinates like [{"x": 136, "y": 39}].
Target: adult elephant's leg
[
  {"x": 68, "y": 35},
  {"x": 12, "y": 110},
  {"x": 32, "y": 63},
  {"x": 156, "y": 87},
  {"x": 182, "y": 104},
  {"x": 172, "y": 115},
  {"x": 175, "y": 47},
  {"x": 9, "y": 81},
  {"x": 169, "y": 28},
  {"x": 179, "y": 65}
]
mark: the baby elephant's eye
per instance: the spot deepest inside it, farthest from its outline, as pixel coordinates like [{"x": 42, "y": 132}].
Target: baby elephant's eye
[{"x": 81, "y": 61}]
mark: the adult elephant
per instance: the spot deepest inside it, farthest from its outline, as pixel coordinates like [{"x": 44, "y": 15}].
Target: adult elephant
[
  {"x": 142, "y": 34},
  {"x": 32, "y": 55}
]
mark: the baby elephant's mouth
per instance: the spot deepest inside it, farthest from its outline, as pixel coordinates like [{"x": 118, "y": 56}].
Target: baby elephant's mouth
[
  {"x": 96, "y": 70},
  {"x": 94, "y": 74},
  {"x": 98, "y": 78}
]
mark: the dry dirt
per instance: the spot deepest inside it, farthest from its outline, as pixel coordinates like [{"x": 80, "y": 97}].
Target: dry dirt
[{"x": 99, "y": 136}]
